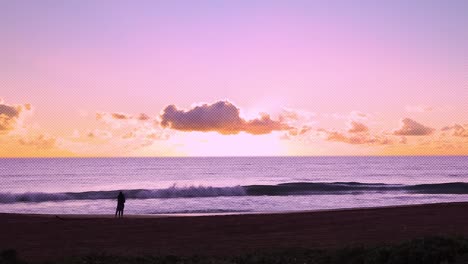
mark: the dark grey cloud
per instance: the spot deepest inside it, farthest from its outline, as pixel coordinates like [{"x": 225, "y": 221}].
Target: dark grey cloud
[
  {"x": 410, "y": 127},
  {"x": 9, "y": 115},
  {"x": 222, "y": 117}
]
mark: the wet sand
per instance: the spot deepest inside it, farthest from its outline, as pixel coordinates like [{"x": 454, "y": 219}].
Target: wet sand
[{"x": 45, "y": 237}]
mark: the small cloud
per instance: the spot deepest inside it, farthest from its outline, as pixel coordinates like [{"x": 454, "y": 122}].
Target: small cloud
[
  {"x": 357, "y": 127},
  {"x": 222, "y": 117},
  {"x": 121, "y": 120},
  {"x": 10, "y": 115},
  {"x": 403, "y": 140},
  {"x": 355, "y": 139},
  {"x": 129, "y": 135},
  {"x": 99, "y": 134},
  {"x": 158, "y": 136},
  {"x": 109, "y": 117},
  {"x": 288, "y": 115},
  {"x": 410, "y": 127},
  {"x": 143, "y": 117},
  {"x": 299, "y": 131},
  {"x": 120, "y": 116},
  {"x": 40, "y": 142},
  {"x": 357, "y": 115},
  {"x": 458, "y": 130}
]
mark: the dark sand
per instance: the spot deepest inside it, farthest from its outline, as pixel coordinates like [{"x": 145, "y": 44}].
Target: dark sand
[{"x": 47, "y": 237}]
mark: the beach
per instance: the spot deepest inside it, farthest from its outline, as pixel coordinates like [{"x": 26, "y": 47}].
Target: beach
[{"x": 48, "y": 237}]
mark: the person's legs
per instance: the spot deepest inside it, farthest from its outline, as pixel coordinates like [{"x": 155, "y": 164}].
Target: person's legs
[{"x": 116, "y": 212}]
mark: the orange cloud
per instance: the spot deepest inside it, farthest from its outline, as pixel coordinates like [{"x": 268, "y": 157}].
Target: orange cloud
[
  {"x": 9, "y": 116},
  {"x": 458, "y": 130},
  {"x": 120, "y": 116},
  {"x": 99, "y": 134},
  {"x": 288, "y": 115},
  {"x": 222, "y": 117},
  {"x": 298, "y": 132},
  {"x": 143, "y": 117},
  {"x": 355, "y": 139},
  {"x": 40, "y": 142},
  {"x": 357, "y": 127},
  {"x": 410, "y": 127}
]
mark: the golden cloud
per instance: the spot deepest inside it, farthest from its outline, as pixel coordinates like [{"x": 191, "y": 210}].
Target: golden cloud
[
  {"x": 40, "y": 142},
  {"x": 363, "y": 138}
]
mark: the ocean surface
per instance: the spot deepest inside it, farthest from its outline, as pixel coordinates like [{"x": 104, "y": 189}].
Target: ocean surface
[{"x": 227, "y": 185}]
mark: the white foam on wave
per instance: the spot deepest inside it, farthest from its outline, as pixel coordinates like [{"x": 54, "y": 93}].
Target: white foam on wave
[{"x": 171, "y": 192}]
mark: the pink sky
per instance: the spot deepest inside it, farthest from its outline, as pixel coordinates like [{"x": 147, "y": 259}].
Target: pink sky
[{"x": 391, "y": 62}]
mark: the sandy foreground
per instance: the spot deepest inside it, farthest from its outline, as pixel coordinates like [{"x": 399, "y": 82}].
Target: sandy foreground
[{"x": 45, "y": 237}]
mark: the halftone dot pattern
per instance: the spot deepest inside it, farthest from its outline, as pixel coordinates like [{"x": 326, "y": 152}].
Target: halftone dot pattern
[{"x": 213, "y": 185}]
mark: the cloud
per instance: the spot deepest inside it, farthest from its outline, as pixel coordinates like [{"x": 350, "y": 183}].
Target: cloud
[
  {"x": 143, "y": 117},
  {"x": 120, "y": 116},
  {"x": 458, "y": 130},
  {"x": 403, "y": 140},
  {"x": 410, "y": 127},
  {"x": 289, "y": 115},
  {"x": 129, "y": 135},
  {"x": 357, "y": 127},
  {"x": 40, "y": 142},
  {"x": 117, "y": 120},
  {"x": 222, "y": 117},
  {"x": 99, "y": 134},
  {"x": 299, "y": 131},
  {"x": 355, "y": 139},
  {"x": 10, "y": 115},
  {"x": 358, "y": 115},
  {"x": 127, "y": 131}
]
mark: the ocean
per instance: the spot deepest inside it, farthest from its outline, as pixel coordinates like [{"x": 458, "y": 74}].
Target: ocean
[{"x": 224, "y": 185}]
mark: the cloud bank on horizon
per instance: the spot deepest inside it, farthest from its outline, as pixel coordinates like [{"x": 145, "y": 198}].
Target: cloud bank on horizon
[{"x": 118, "y": 133}]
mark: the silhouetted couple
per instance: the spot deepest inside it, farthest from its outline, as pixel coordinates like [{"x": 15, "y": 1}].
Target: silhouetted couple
[{"x": 120, "y": 205}]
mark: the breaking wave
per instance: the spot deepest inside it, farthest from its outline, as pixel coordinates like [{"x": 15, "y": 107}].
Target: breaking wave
[
  {"x": 284, "y": 189},
  {"x": 171, "y": 192}
]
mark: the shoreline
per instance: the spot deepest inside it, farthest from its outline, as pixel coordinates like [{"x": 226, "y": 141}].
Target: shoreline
[
  {"x": 165, "y": 215},
  {"x": 46, "y": 237}
]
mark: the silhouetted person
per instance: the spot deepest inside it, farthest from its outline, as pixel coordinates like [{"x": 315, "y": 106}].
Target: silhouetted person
[{"x": 120, "y": 205}]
